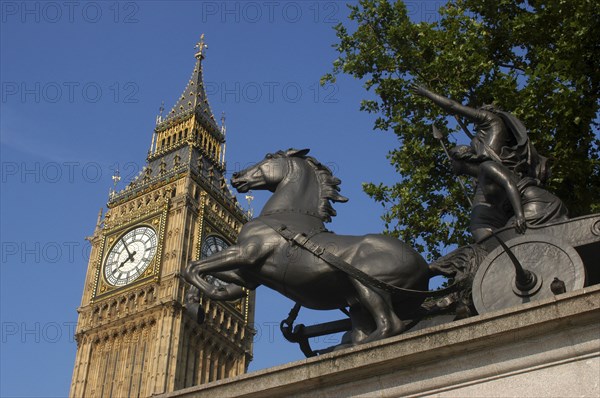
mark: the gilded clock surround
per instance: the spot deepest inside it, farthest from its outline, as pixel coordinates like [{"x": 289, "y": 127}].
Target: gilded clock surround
[
  {"x": 155, "y": 220},
  {"x": 120, "y": 273},
  {"x": 137, "y": 339}
]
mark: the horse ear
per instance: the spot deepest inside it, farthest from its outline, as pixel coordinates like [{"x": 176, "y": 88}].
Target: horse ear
[{"x": 297, "y": 152}]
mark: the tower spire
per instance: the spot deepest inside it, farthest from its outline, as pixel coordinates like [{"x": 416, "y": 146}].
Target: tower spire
[{"x": 194, "y": 98}]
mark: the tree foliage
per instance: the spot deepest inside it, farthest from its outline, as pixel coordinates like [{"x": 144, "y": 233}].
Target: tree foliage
[{"x": 535, "y": 59}]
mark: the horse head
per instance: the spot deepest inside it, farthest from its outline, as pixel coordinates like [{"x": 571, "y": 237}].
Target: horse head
[
  {"x": 266, "y": 174},
  {"x": 305, "y": 183}
]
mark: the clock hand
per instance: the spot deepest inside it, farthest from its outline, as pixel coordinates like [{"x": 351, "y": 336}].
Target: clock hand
[
  {"x": 122, "y": 264},
  {"x": 129, "y": 258},
  {"x": 118, "y": 268},
  {"x": 127, "y": 249}
]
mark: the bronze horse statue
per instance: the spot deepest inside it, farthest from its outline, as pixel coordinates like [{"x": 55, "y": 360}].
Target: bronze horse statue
[{"x": 303, "y": 190}]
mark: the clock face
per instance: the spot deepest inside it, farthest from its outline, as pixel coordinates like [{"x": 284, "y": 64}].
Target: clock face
[
  {"x": 130, "y": 256},
  {"x": 211, "y": 245}
]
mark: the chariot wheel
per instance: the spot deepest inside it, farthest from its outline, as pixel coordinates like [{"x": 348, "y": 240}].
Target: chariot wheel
[{"x": 499, "y": 284}]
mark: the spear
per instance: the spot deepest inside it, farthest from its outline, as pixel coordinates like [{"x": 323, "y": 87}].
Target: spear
[
  {"x": 437, "y": 134},
  {"x": 463, "y": 127}
]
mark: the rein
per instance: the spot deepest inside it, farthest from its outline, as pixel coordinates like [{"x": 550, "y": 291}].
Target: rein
[
  {"x": 305, "y": 242},
  {"x": 296, "y": 211}
]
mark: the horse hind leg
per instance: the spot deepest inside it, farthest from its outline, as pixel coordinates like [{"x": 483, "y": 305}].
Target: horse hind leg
[
  {"x": 379, "y": 305},
  {"x": 362, "y": 324}
]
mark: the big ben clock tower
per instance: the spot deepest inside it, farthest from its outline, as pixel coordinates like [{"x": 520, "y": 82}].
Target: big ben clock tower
[{"x": 134, "y": 337}]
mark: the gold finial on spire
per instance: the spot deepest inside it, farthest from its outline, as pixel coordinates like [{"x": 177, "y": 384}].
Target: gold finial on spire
[
  {"x": 116, "y": 177},
  {"x": 98, "y": 222},
  {"x": 200, "y": 46},
  {"x": 159, "y": 118},
  {"x": 223, "y": 146},
  {"x": 250, "y": 198}
]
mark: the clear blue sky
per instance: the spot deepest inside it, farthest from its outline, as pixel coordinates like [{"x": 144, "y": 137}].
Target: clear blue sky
[{"x": 81, "y": 86}]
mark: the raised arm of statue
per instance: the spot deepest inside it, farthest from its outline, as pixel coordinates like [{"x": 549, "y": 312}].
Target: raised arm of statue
[
  {"x": 453, "y": 107},
  {"x": 503, "y": 177}
]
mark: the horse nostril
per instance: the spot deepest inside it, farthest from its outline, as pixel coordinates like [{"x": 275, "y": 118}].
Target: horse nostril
[{"x": 235, "y": 175}]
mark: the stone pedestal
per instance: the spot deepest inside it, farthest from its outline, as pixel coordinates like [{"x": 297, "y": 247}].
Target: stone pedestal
[{"x": 547, "y": 348}]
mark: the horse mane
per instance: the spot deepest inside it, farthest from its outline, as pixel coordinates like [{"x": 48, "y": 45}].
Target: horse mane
[{"x": 328, "y": 183}]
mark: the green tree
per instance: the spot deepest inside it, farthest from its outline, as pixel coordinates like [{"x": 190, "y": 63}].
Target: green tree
[{"x": 535, "y": 59}]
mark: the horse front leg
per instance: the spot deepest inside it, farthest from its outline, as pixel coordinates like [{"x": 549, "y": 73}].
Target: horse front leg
[
  {"x": 226, "y": 260},
  {"x": 226, "y": 292},
  {"x": 235, "y": 277},
  {"x": 193, "y": 274},
  {"x": 234, "y": 257},
  {"x": 192, "y": 299}
]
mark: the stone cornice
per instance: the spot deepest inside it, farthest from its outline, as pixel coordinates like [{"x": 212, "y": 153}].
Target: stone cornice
[{"x": 429, "y": 361}]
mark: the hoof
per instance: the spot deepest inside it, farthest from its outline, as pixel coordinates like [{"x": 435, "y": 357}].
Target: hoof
[{"x": 385, "y": 332}]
